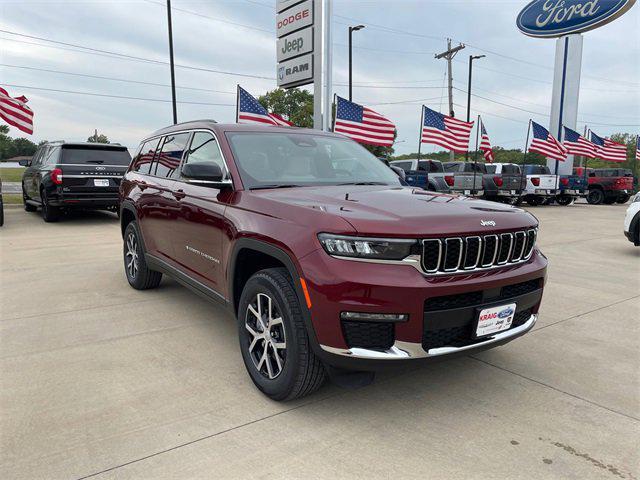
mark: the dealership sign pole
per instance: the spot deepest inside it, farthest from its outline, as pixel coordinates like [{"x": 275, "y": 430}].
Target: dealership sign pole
[
  {"x": 303, "y": 44},
  {"x": 566, "y": 20}
]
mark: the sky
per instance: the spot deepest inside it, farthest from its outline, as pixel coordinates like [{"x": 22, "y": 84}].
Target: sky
[{"x": 221, "y": 43}]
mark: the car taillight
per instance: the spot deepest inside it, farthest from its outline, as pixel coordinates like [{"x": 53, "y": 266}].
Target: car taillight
[
  {"x": 498, "y": 180},
  {"x": 564, "y": 181},
  {"x": 535, "y": 181},
  {"x": 449, "y": 180},
  {"x": 56, "y": 176}
]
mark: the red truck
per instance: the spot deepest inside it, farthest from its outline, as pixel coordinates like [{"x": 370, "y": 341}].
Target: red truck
[
  {"x": 607, "y": 185},
  {"x": 328, "y": 270}
]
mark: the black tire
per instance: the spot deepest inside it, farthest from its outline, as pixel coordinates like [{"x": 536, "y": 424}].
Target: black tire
[
  {"x": 622, "y": 199},
  {"x": 139, "y": 275},
  {"x": 609, "y": 201},
  {"x": 564, "y": 200},
  {"x": 49, "y": 213},
  {"x": 27, "y": 206},
  {"x": 296, "y": 371},
  {"x": 1, "y": 211},
  {"x": 595, "y": 196},
  {"x": 534, "y": 201}
]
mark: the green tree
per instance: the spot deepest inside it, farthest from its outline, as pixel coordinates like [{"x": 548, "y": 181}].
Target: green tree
[
  {"x": 297, "y": 106},
  {"x": 13, "y": 147},
  {"x": 98, "y": 138}
]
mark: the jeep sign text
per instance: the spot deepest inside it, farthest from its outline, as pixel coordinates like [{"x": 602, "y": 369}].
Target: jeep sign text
[
  {"x": 294, "y": 18},
  {"x": 295, "y": 44},
  {"x": 296, "y": 72}
]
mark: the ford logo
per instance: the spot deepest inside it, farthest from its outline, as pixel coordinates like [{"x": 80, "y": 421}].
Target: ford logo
[
  {"x": 507, "y": 312},
  {"x": 555, "y": 18}
]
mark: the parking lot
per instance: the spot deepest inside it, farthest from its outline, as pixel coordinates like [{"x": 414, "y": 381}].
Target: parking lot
[{"x": 100, "y": 380}]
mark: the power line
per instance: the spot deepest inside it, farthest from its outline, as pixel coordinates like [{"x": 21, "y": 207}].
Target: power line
[{"x": 93, "y": 94}]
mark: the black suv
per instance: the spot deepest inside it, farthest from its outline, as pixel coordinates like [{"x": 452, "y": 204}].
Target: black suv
[{"x": 63, "y": 176}]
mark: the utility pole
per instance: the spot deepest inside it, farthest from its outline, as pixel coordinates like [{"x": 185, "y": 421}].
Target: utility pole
[
  {"x": 448, "y": 55},
  {"x": 173, "y": 69}
]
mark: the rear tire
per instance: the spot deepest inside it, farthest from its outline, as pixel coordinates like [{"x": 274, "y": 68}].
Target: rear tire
[
  {"x": 609, "y": 201},
  {"x": 49, "y": 214},
  {"x": 595, "y": 197},
  {"x": 623, "y": 199},
  {"x": 273, "y": 338},
  {"x": 564, "y": 200},
  {"x": 139, "y": 275},
  {"x": 534, "y": 201}
]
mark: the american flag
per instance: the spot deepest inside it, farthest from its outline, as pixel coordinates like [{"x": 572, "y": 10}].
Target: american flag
[
  {"x": 363, "y": 124},
  {"x": 15, "y": 112},
  {"x": 250, "y": 111},
  {"x": 485, "y": 144},
  {"x": 447, "y": 132},
  {"x": 609, "y": 150},
  {"x": 546, "y": 144},
  {"x": 576, "y": 144}
]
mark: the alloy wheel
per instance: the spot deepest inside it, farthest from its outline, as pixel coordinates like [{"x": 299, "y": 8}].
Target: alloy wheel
[
  {"x": 131, "y": 257},
  {"x": 267, "y": 345}
]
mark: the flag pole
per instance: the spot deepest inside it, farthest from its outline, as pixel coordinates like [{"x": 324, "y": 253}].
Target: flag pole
[
  {"x": 238, "y": 103},
  {"x": 524, "y": 159},
  {"x": 420, "y": 145},
  {"x": 586, "y": 161},
  {"x": 475, "y": 154},
  {"x": 335, "y": 113}
]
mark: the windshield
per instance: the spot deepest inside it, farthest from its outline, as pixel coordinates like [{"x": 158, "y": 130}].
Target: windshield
[
  {"x": 271, "y": 160},
  {"x": 98, "y": 156}
]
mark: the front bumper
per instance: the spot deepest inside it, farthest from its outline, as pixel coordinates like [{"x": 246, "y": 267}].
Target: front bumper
[{"x": 337, "y": 286}]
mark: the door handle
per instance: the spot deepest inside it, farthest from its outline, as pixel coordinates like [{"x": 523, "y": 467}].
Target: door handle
[{"x": 179, "y": 194}]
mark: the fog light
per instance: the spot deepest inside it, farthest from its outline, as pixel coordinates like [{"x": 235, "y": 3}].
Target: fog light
[{"x": 374, "y": 317}]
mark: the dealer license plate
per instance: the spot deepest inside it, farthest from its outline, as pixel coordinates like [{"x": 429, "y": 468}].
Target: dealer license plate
[
  {"x": 495, "y": 319},
  {"x": 542, "y": 191},
  {"x": 467, "y": 192},
  {"x": 101, "y": 182}
]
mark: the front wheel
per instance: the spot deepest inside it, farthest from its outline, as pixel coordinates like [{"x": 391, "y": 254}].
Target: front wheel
[
  {"x": 595, "y": 197},
  {"x": 535, "y": 201},
  {"x": 564, "y": 200},
  {"x": 623, "y": 199},
  {"x": 273, "y": 338}
]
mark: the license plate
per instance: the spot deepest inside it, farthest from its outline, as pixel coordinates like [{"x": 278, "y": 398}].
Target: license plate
[
  {"x": 467, "y": 192},
  {"x": 495, "y": 319},
  {"x": 541, "y": 191},
  {"x": 513, "y": 192},
  {"x": 100, "y": 182}
]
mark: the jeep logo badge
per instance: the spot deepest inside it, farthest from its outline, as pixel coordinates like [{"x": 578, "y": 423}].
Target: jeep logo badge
[{"x": 487, "y": 223}]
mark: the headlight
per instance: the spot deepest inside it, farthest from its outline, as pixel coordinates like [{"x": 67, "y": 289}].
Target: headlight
[{"x": 373, "y": 248}]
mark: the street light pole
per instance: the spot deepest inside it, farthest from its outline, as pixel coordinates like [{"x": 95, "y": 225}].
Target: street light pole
[
  {"x": 471, "y": 59},
  {"x": 173, "y": 70},
  {"x": 351, "y": 30}
]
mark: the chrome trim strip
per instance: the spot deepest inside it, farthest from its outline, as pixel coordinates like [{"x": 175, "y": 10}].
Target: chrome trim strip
[
  {"x": 409, "y": 350},
  {"x": 115, "y": 177}
]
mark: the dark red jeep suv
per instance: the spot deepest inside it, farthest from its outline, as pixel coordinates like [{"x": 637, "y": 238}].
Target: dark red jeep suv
[{"x": 330, "y": 264}]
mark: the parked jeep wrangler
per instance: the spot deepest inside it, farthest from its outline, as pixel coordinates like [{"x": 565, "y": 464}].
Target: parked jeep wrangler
[
  {"x": 329, "y": 271},
  {"x": 607, "y": 185}
]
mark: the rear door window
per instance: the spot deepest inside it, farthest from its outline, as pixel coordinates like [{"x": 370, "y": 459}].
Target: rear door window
[
  {"x": 82, "y": 155},
  {"x": 144, "y": 158},
  {"x": 168, "y": 161}
]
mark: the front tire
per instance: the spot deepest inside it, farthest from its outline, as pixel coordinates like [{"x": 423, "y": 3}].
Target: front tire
[
  {"x": 139, "y": 275},
  {"x": 273, "y": 338},
  {"x": 535, "y": 201},
  {"x": 595, "y": 197},
  {"x": 564, "y": 200},
  {"x": 623, "y": 199}
]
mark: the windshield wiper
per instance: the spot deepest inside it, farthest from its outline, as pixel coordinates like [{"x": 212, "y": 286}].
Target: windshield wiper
[
  {"x": 267, "y": 187},
  {"x": 362, "y": 183}
]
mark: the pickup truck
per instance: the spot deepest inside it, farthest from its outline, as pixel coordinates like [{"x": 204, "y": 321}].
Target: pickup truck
[
  {"x": 607, "y": 185},
  {"x": 465, "y": 177},
  {"x": 571, "y": 187},
  {"x": 426, "y": 174},
  {"x": 542, "y": 186},
  {"x": 508, "y": 180}
]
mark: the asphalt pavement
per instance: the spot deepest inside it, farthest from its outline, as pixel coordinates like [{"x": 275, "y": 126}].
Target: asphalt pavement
[{"x": 98, "y": 380}]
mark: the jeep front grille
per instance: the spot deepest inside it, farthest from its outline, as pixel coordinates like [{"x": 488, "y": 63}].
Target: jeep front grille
[{"x": 464, "y": 254}]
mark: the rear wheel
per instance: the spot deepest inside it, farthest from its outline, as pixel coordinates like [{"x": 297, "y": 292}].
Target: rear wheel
[
  {"x": 623, "y": 199},
  {"x": 273, "y": 338},
  {"x": 49, "y": 213},
  {"x": 595, "y": 197},
  {"x": 534, "y": 201},
  {"x": 564, "y": 200},
  {"x": 139, "y": 275}
]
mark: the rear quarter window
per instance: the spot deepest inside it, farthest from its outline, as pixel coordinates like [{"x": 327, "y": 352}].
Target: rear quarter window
[{"x": 144, "y": 158}]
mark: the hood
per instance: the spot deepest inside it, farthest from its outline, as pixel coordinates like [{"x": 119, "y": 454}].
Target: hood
[{"x": 404, "y": 212}]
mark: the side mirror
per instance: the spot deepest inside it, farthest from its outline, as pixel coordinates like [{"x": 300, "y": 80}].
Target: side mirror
[
  {"x": 24, "y": 163},
  {"x": 206, "y": 174}
]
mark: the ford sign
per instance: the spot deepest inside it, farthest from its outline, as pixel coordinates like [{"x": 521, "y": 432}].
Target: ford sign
[
  {"x": 506, "y": 313},
  {"x": 555, "y": 18}
]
